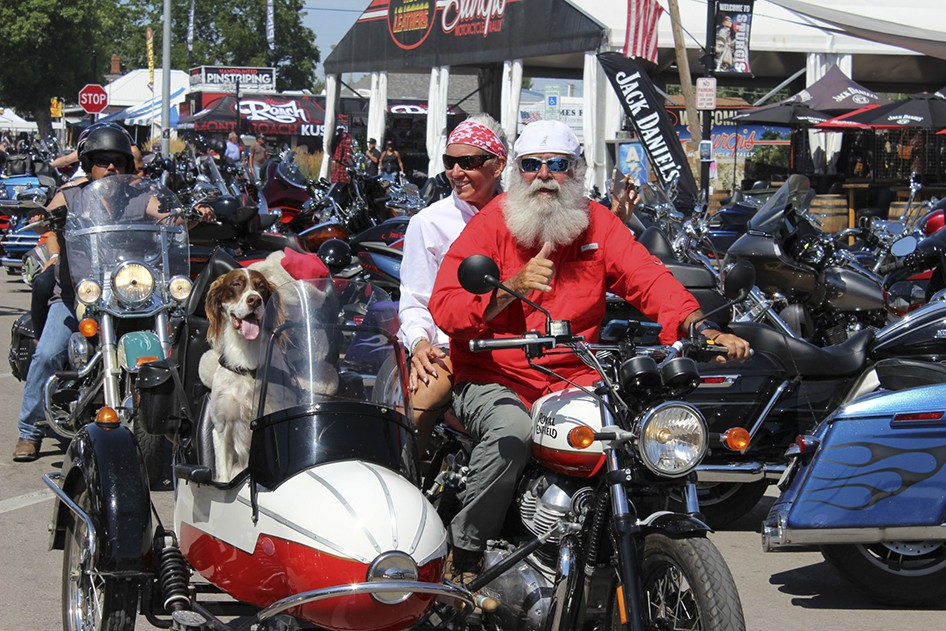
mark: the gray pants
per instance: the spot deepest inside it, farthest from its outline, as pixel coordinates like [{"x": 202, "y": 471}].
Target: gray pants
[{"x": 497, "y": 418}]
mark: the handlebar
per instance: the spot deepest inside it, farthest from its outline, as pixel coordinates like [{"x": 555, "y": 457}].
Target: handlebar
[{"x": 917, "y": 260}]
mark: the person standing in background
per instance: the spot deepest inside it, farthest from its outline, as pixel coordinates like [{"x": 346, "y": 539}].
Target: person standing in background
[
  {"x": 374, "y": 157},
  {"x": 257, "y": 157}
]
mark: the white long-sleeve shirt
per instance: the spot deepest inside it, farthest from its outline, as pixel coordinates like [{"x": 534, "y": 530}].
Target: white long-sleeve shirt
[{"x": 429, "y": 235}]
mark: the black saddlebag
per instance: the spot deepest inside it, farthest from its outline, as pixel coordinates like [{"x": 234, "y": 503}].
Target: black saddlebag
[{"x": 22, "y": 346}]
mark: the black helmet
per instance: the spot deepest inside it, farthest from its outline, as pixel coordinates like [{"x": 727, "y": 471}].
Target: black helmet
[
  {"x": 104, "y": 137},
  {"x": 336, "y": 254}
]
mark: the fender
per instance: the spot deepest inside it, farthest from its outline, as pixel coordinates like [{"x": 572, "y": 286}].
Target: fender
[
  {"x": 108, "y": 463},
  {"x": 675, "y": 525}
]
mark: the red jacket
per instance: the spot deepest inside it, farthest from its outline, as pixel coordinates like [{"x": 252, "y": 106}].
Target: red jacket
[{"x": 606, "y": 257}]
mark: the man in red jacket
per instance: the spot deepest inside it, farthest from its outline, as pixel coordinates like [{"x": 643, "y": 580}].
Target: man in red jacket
[{"x": 564, "y": 252}]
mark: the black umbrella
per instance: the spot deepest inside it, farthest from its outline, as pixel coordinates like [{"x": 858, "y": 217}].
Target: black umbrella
[
  {"x": 836, "y": 93},
  {"x": 785, "y": 114},
  {"x": 923, "y": 111}
]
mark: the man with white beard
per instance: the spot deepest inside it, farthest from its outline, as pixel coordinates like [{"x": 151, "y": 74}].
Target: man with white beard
[{"x": 564, "y": 252}]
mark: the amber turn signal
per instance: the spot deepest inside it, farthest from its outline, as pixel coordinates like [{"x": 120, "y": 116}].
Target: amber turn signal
[
  {"x": 581, "y": 437},
  {"x": 736, "y": 438},
  {"x": 106, "y": 418},
  {"x": 89, "y": 327}
]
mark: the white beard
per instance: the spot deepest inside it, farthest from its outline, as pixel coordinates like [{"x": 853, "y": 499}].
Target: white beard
[{"x": 534, "y": 218}]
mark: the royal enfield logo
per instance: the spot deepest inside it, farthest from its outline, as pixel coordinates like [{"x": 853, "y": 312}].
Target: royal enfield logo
[
  {"x": 262, "y": 111},
  {"x": 473, "y": 17},
  {"x": 410, "y": 21}
]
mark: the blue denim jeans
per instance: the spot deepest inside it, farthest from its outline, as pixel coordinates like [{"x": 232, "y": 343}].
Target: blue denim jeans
[{"x": 50, "y": 356}]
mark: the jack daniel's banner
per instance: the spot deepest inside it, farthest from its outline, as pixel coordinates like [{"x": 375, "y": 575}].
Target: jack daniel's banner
[
  {"x": 646, "y": 113},
  {"x": 733, "y": 23}
]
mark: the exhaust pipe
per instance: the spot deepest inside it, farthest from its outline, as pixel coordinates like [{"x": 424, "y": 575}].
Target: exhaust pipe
[{"x": 739, "y": 472}]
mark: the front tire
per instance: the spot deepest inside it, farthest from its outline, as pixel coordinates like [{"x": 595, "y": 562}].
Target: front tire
[
  {"x": 91, "y": 602},
  {"x": 687, "y": 585},
  {"x": 894, "y": 573}
]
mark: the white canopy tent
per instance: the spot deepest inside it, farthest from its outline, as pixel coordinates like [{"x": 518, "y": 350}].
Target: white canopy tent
[{"x": 10, "y": 120}]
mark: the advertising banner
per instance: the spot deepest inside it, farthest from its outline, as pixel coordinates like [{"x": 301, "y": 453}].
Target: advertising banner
[
  {"x": 733, "y": 25},
  {"x": 648, "y": 117},
  {"x": 225, "y": 78}
]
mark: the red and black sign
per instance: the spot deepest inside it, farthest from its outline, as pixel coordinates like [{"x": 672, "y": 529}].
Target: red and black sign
[
  {"x": 460, "y": 33},
  {"x": 270, "y": 115}
]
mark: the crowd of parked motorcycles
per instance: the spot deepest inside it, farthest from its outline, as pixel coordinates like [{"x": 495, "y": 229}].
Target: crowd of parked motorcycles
[{"x": 841, "y": 405}]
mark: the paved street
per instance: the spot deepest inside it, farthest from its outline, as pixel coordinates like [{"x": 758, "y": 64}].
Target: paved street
[{"x": 784, "y": 591}]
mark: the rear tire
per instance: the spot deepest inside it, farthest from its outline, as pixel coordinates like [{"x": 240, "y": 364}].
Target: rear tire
[
  {"x": 687, "y": 585},
  {"x": 90, "y": 602},
  {"x": 894, "y": 573}
]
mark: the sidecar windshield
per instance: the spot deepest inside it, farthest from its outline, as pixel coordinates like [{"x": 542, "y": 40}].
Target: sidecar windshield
[
  {"x": 795, "y": 192},
  {"x": 331, "y": 382},
  {"x": 125, "y": 218}
]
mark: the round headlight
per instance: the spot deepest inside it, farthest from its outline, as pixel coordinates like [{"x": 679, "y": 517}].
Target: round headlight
[
  {"x": 79, "y": 351},
  {"x": 88, "y": 292},
  {"x": 180, "y": 288},
  {"x": 133, "y": 283},
  {"x": 393, "y": 566},
  {"x": 672, "y": 439}
]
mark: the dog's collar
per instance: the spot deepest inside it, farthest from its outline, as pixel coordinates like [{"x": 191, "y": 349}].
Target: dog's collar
[{"x": 240, "y": 371}]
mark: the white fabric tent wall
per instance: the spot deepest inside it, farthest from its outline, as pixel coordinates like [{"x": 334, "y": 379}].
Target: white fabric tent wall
[
  {"x": 510, "y": 98},
  {"x": 331, "y": 98},
  {"x": 377, "y": 106},
  {"x": 825, "y": 146},
  {"x": 595, "y": 156},
  {"x": 437, "y": 118}
]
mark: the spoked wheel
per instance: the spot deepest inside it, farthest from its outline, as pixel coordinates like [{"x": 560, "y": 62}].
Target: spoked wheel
[
  {"x": 91, "y": 602},
  {"x": 687, "y": 585},
  {"x": 894, "y": 573}
]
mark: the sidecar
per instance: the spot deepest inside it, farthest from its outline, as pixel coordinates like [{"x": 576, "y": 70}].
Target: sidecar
[{"x": 868, "y": 487}]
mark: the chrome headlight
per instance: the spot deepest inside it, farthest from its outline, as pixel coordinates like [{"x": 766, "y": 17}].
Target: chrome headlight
[
  {"x": 88, "y": 292},
  {"x": 180, "y": 288},
  {"x": 133, "y": 283},
  {"x": 80, "y": 351},
  {"x": 672, "y": 439},
  {"x": 393, "y": 566}
]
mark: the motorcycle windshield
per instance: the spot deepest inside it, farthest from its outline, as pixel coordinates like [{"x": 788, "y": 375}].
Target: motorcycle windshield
[
  {"x": 331, "y": 383},
  {"x": 795, "y": 192},
  {"x": 122, "y": 219},
  {"x": 289, "y": 171}
]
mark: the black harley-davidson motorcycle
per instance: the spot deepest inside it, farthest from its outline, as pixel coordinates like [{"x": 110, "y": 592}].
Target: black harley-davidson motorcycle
[{"x": 830, "y": 295}]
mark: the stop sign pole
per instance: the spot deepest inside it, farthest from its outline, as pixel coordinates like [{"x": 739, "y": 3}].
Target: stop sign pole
[{"x": 93, "y": 98}]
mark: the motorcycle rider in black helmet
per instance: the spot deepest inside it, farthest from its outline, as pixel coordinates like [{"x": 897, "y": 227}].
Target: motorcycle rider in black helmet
[{"x": 104, "y": 150}]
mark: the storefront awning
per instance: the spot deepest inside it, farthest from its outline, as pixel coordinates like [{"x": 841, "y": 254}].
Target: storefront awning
[
  {"x": 417, "y": 35},
  {"x": 272, "y": 115}
]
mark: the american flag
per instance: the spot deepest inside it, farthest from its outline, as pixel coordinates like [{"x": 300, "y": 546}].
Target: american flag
[{"x": 640, "y": 36}]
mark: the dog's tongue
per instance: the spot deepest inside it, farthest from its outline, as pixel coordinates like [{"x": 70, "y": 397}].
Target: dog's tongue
[{"x": 248, "y": 327}]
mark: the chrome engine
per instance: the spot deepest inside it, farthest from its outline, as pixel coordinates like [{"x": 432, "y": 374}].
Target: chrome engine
[{"x": 548, "y": 499}]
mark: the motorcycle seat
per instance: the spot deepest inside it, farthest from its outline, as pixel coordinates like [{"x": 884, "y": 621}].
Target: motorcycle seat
[
  {"x": 804, "y": 359},
  {"x": 657, "y": 243}
]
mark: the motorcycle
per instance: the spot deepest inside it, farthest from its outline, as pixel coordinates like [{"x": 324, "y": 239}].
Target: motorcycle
[
  {"x": 866, "y": 487},
  {"x": 326, "y": 527},
  {"x": 593, "y": 545},
  {"x": 128, "y": 258},
  {"x": 830, "y": 295}
]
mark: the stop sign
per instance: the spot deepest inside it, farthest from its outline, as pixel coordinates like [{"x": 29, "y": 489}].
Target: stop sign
[{"x": 93, "y": 98}]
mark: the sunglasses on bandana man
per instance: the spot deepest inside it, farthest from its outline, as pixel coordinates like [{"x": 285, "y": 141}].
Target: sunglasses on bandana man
[
  {"x": 467, "y": 163},
  {"x": 534, "y": 165}
]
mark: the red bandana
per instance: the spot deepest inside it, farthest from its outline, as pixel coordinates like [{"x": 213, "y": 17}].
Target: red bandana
[{"x": 478, "y": 135}]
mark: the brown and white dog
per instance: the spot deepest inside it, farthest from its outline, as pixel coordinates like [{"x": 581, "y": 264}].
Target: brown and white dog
[{"x": 234, "y": 307}]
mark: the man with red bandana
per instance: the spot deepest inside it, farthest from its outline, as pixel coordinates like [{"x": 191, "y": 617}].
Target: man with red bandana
[{"x": 563, "y": 252}]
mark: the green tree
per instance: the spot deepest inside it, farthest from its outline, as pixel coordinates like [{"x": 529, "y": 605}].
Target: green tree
[{"x": 54, "y": 47}]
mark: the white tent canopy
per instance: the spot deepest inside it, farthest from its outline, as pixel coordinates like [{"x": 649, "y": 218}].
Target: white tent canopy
[{"x": 10, "y": 120}]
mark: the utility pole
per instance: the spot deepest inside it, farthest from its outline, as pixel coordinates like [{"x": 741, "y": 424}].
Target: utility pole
[
  {"x": 683, "y": 67},
  {"x": 709, "y": 64},
  {"x": 166, "y": 82}
]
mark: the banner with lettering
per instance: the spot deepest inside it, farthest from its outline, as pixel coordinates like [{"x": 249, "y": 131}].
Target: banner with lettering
[
  {"x": 733, "y": 25},
  {"x": 646, "y": 113},
  {"x": 421, "y": 34},
  {"x": 269, "y": 115}
]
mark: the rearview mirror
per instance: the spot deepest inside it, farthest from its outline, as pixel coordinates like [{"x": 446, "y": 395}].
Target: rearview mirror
[
  {"x": 738, "y": 278},
  {"x": 478, "y": 274}
]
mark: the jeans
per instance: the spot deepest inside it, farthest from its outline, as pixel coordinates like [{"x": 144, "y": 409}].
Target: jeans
[
  {"x": 50, "y": 356},
  {"x": 497, "y": 418}
]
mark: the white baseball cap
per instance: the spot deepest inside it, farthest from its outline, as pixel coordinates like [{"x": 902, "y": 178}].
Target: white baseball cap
[{"x": 547, "y": 137}]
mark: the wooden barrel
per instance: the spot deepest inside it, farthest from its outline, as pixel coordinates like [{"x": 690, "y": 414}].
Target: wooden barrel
[
  {"x": 831, "y": 210},
  {"x": 896, "y": 210},
  {"x": 715, "y": 201}
]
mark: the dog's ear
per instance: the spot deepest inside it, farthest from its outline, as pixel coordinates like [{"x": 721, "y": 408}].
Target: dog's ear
[{"x": 213, "y": 307}]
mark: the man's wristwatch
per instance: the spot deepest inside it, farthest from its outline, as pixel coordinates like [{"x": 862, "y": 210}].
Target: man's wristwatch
[{"x": 706, "y": 325}]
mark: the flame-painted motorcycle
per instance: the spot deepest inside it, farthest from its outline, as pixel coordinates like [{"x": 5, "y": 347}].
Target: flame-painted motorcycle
[{"x": 594, "y": 545}]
